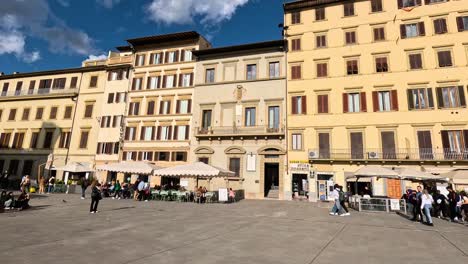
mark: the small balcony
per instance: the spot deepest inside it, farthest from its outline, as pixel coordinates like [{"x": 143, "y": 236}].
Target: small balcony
[
  {"x": 407, "y": 155},
  {"x": 239, "y": 131},
  {"x": 119, "y": 60},
  {"x": 47, "y": 92}
]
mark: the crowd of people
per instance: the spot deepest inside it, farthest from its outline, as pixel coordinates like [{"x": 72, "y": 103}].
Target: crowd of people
[{"x": 426, "y": 203}]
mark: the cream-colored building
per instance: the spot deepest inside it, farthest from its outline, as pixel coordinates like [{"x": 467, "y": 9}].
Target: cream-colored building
[
  {"x": 50, "y": 112},
  {"x": 376, "y": 82},
  {"x": 160, "y": 97},
  {"x": 239, "y": 117}
]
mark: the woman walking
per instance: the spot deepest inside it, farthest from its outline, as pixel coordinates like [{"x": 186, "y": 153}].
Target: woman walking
[
  {"x": 426, "y": 206},
  {"x": 95, "y": 197}
]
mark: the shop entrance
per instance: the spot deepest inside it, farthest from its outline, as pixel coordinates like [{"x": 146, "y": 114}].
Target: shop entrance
[
  {"x": 324, "y": 186},
  {"x": 300, "y": 186},
  {"x": 271, "y": 187}
]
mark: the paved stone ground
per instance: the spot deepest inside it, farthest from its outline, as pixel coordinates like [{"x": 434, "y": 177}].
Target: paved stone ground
[{"x": 54, "y": 231}]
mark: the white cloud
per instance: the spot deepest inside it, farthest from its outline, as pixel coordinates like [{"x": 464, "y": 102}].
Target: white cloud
[
  {"x": 21, "y": 20},
  {"x": 108, "y": 3},
  {"x": 64, "y": 3},
  {"x": 97, "y": 57},
  {"x": 185, "y": 11}
]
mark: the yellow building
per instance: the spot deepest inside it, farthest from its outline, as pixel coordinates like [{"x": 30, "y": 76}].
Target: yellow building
[
  {"x": 376, "y": 82},
  {"x": 50, "y": 112},
  {"x": 160, "y": 97}
]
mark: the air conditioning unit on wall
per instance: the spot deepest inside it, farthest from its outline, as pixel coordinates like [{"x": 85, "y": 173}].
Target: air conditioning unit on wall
[
  {"x": 313, "y": 154},
  {"x": 373, "y": 155}
]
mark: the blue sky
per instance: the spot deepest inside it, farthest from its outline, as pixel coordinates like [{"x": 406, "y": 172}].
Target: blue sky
[{"x": 52, "y": 34}]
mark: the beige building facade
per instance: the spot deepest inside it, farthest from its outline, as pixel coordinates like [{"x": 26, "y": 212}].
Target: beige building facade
[
  {"x": 239, "y": 117},
  {"x": 375, "y": 82}
]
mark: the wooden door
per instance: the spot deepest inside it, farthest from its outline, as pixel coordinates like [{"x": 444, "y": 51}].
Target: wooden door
[{"x": 394, "y": 188}]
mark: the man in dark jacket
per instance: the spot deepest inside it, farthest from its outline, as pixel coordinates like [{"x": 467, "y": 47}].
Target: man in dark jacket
[
  {"x": 453, "y": 198},
  {"x": 440, "y": 202},
  {"x": 84, "y": 186}
]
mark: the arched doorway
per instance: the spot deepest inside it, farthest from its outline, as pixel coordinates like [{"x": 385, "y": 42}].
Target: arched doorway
[{"x": 271, "y": 172}]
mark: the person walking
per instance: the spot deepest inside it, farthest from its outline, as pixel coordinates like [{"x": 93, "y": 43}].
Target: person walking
[
  {"x": 95, "y": 197},
  {"x": 440, "y": 204},
  {"x": 453, "y": 199},
  {"x": 416, "y": 201},
  {"x": 335, "y": 195},
  {"x": 342, "y": 199},
  {"x": 84, "y": 185},
  {"x": 135, "y": 189},
  {"x": 50, "y": 188},
  {"x": 141, "y": 190},
  {"x": 464, "y": 206},
  {"x": 117, "y": 190},
  {"x": 41, "y": 185},
  {"x": 426, "y": 206}
]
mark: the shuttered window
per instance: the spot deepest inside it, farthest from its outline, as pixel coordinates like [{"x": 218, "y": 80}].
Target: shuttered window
[
  {"x": 420, "y": 98},
  {"x": 150, "y": 108},
  {"x": 357, "y": 146},
  {"x": 322, "y": 69},
  {"x": 53, "y": 112},
  {"x": 296, "y": 18},
  {"x": 84, "y": 139},
  {"x": 39, "y": 112},
  {"x": 462, "y": 23},
  {"x": 74, "y": 82},
  {"x": 350, "y": 37},
  {"x": 385, "y": 101},
  {"x": 296, "y": 44},
  {"x": 354, "y": 102},
  {"x": 381, "y": 64},
  {"x": 379, "y": 34},
  {"x": 376, "y": 6},
  {"x": 93, "y": 82},
  {"x": 320, "y": 13},
  {"x": 445, "y": 58},
  {"x": 408, "y": 3},
  {"x": 322, "y": 103},
  {"x": 296, "y": 72},
  {"x": 324, "y": 145},
  {"x": 299, "y": 105},
  {"x": 415, "y": 61},
  {"x": 412, "y": 30},
  {"x": 88, "y": 111},
  {"x": 451, "y": 97},
  {"x": 12, "y": 115},
  {"x": 348, "y": 9},
  {"x": 68, "y": 112},
  {"x": 352, "y": 67},
  {"x": 34, "y": 140},
  {"x": 321, "y": 41},
  {"x": 25, "y": 116},
  {"x": 440, "y": 26}
]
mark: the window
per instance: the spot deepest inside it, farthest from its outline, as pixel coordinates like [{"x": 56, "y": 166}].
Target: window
[
  {"x": 420, "y": 98},
  {"x": 48, "y": 140},
  {"x": 39, "y": 112},
  {"x": 64, "y": 140},
  {"x": 322, "y": 103},
  {"x": 462, "y": 23},
  {"x": 296, "y": 18},
  {"x": 156, "y": 58},
  {"x": 350, "y": 37},
  {"x": 134, "y": 109},
  {"x": 172, "y": 56},
  {"x": 425, "y": 145},
  {"x": 164, "y": 133},
  {"x": 147, "y": 133},
  {"x": 116, "y": 121},
  {"x": 181, "y": 132},
  {"x": 116, "y": 75},
  {"x": 12, "y": 115},
  {"x": 252, "y": 72},
  {"x": 454, "y": 143},
  {"x": 68, "y": 112},
  {"x": 381, "y": 64},
  {"x": 204, "y": 160},
  {"x": 376, "y": 6},
  {"x": 273, "y": 118},
  {"x": 210, "y": 75},
  {"x": 165, "y": 107},
  {"x": 321, "y": 41},
  {"x": 19, "y": 86},
  {"x": 130, "y": 133},
  {"x": 45, "y": 84},
  {"x": 5, "y": 140},
  {"x": 5, "y": 89},
  {"x": 150, "y": 108},
  {"x": 18, "y": 141},
  {"x": 140, "y": 60},
  {"x": 34, "y": 140},
  {"x": 415, "y": 61},
  {"x": 120, "y": 98},
  {"x": 106, "y": 121},
  {"x": 296, "y": 141},
  {"x": 32, "y": 84},
  {"x": 451, "y": 97},
  {"x": 163, "y": 156},
  {"x": 324, "y": 145},
  {"x": 352, "y": 67},
  {"x": 412, "y": 30},
  {"x": 295, "y": 44},
  {"x": 385, "y": 101},
  {"x": 322, "y": 69},
  {"x": 274, "y": 69},
  {"x": 296, "y": 72},
  {"x": 354, "y": 102},
  {"x": 109, "y": 148},
  {"x": 53, "y": 112},
  {"x": 137, "y": 84},
  {"x": 408, "y": 3},
  {"x": 74, "y": 82},
  {"x": 320, "y": 13},
  {"x": 185, "y": 80},
  {"x": 84, "y": 139},
  {"x": 440, "y": 26},
  {"x": 186, "y": 55},
  {"x": 59, "y": 83},
  {"x": 234, "y": 166},
  {"x": 110, "y": 98},
  {"x": 183, "y": 106},
  {"x": 88, "y": 110},
  {"x": 179, "y": 156},
  {"x": 25, "y": 116},
  {"x": 357, "y": 146},
  {"x": 154, "y": 82},
  {"x": 299, "y": 105},
  {"x": 445, "y": 58},
  {"x": 250, "y": 116},
  {"x": 388, "y": 145},
  {"x": 93, "y": 82},
  {"x": 206, "y": 119},
  {"x": 348, "y": 9},
  {"x": 379, "y": 34},
  {"x": 169, "y": 81}
]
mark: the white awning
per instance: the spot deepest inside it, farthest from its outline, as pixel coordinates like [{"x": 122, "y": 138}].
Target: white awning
[
  {"x": 411, "y": 174},
  {"x": 376, "y": 171},
  {"x": 76, "y": 167},
  {"x": 197, "y": 169},
  {"x": 457, "y": 176},
  {"x": 132, "y": 167}
]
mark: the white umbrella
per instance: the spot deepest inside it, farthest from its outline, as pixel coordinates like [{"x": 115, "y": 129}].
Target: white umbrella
[
  {"x": 376, "y": 171},
  {"x": 457, "y": 176},
  {"x": 197, "y": 169},
  {"x": 132, "y": 167},
  {"x": 76, "y": 167},
  {"x": 407, "y": 173}
]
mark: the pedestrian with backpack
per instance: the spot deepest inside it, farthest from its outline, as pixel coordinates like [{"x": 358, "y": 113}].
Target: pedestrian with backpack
[
  {"x": 96, "y": 196},
  {"x": 342, "y": 198}
]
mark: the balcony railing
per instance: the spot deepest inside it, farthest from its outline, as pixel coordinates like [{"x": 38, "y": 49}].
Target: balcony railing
[
  {"x": 119, "y": 60},
  {"x": 411, "y": 154},
  {"x": 43, "y": 91},
  {"x": 239, "y": 131}
]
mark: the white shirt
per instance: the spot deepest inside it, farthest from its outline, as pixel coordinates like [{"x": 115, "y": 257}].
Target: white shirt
[
  {"x": 426, "y": 199},
  {"x": 335, "y": 194}
]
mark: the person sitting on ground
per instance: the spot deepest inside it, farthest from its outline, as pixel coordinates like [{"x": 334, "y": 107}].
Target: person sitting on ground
[
  {"x": 23, "y": 201},
  {"x": 232, "y": 196},
  {"x": 9, "y": 201}
]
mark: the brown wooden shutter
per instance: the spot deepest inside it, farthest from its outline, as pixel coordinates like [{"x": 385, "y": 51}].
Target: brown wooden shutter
[
  {"x": 403, "y": 30},
  {"x": 410, "y": 99},
  {"x": 191, "y": 79},
  {"x": 176, "y": 56},
  {"x": 161, "y": 104},
  {"x": 137, "y": 108},
  {"x": 177, "y": 107},
  {"x": 164, "y": 81},
  {"x": 133, "y": 85},
  {"x": 325, "y": 103},
  {"x": 294, "y": 105},
  {"x": 176, "y": 129},
  {"x": 394, "y": 99},
  {"x": 142, "y": 133},
  {"x": 169, "y": 111},
  {"x": 189, "y": 106},
  {"x": 460, "y": 24},
  {"x": 187, "y": 132},
  {"x": 148, "y": 83},
  {"x": 158, "y": 136},
  {"x": 421, "y": 29},
  {"x": 175, "y": 80},
  {"x": 445, "y": 139},
  {"x": 363, "y": 102},
  {"x": 345, "y": 103},
  {"x": 430, "y": 97},
  {"x": 304, "y": 105},
  {"x": 180, "y": 80},
  {"x": 182, "y": 55},
  {"x": 319, "y": 104},
  {"x": 166, "y": 57},
  {"x": 169, "y": 133},
  {"x": 443, "y": 26},
  {"x": 375, "y": 101},
  {"x": 440, "y": 99},
  {"x": 151, "y": 59},
  {"x": 461, "y": 94},
  {"x": 465, "y": 138}
]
